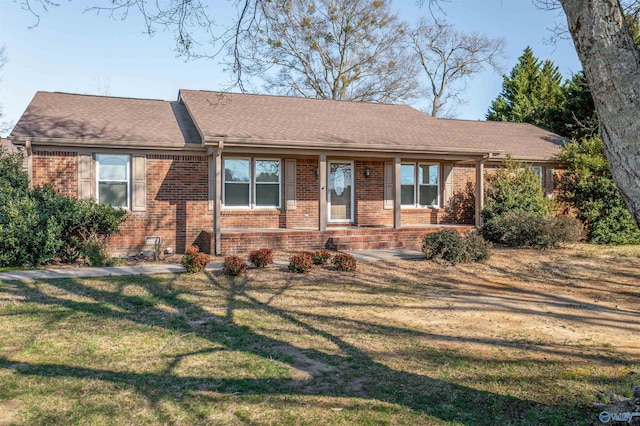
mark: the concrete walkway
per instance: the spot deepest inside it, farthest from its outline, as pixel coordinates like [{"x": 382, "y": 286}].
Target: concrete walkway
[{"x": 174, "y": 268}]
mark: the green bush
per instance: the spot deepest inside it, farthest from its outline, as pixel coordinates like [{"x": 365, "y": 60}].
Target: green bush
[
  {"x": 195, "y": 261},
  {"x": 514, "y": 187},
  {"x": 522, "y": 229},
  {"x": 300, "y": 263},
  {"x": 261, "y": 258},
  {"x": 589, "y": 188},
  {"x": 344, "y": 262},
  {"x": 94, "y": 252},
  {"x": 234, "y": 266},
  {"x": 39, "y": 225},
  {"x": 320, "y": 256},
  {"x": 449, "y": 246}
]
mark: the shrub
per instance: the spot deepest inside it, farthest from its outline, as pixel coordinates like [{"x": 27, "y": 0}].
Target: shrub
[
  {"x": 261, "y": 258},
  {"x": 195, "y": 261},
  {"x": 41, "y": 224},
  {"x": 344, "y": 262},
  {"x": 449, "y": 246},
  {"x": 234, "y": 266},
  {"x": 94, "y": 252},
  {"x": 589, "y": 188},
  {"x": 320, "y": 256},
  {"x": 514, "y": 187},
  {"x": 300, "y": 263},
  {"x": 521, "y": 229}
]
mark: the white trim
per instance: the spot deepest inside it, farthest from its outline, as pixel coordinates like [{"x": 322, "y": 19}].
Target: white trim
[
  {"x": 352, "y": 210},
  {"x": 416, "y": 185},
  {"x": 224, "y": 183},
  {"x": 255, "y": 183},
  {"x": 127, "y": 179}
]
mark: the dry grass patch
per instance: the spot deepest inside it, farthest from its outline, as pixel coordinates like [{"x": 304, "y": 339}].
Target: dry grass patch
[{"x": 528, "y": 337}]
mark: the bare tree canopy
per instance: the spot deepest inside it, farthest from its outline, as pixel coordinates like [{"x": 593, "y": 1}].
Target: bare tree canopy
[
  {"x": 448, "y": 58},
  {"x": 333, "y": 49},
  {"x": 4, "y": 126}
]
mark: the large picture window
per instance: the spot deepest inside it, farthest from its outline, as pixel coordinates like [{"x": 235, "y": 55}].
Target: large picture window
[
  {"x": 251, "y": 184},
  {"x": 113, "y": 181},
  {"x": 419, "y": 185}
]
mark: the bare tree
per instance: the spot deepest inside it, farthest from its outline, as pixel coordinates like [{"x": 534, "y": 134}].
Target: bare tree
[
  {"x": 334, "y": 49},
  {"x": 449, "y": 58}
]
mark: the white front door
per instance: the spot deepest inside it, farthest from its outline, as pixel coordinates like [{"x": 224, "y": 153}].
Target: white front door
[{"x": 340, "y": 191}]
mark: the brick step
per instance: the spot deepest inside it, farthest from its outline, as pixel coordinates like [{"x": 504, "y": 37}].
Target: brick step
[
  {"x": 349, "y": 246},
  {"x": 363, "y": 238}
]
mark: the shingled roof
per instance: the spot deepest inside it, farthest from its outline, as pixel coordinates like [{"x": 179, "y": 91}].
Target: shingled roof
[
  {"x": 98, "y": 119},
  {"x": 270, "y": 121},
  {"x": 340, "y": 124}
]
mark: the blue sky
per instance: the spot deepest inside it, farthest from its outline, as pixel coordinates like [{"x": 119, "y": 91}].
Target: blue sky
[{"x": 78, "y": 52}]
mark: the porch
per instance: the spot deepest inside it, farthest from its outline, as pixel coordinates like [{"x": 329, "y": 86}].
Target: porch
[{"x": 347, "y": 238}]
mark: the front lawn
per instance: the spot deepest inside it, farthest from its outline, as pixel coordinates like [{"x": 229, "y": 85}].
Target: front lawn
[{"x": 529, "y": 337}]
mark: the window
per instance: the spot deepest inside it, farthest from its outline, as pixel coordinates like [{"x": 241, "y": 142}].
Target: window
[
  {"x": 113, "y": 179},
  {"x": 419, "y": 185},
  {"x": 236, "y": 183},
  {"x": 251, "y": 183},
  {"x": 538, "y": 172},
  {"x": 408, "y": 184}
]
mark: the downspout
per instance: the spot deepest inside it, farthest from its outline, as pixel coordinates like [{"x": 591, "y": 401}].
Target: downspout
[
  {"x": 29, "y": 159},
  {"x": 479, "y": 190},
  {"x": 218, "y": 198}
]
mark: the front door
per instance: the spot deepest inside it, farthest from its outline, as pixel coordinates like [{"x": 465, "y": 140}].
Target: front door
[{"x": 340, "y": 191}]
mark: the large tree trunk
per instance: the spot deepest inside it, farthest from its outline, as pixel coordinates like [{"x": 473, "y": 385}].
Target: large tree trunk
[{"x": 612, "y": 67}]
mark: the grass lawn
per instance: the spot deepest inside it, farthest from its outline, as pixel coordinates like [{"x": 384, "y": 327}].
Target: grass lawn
[{"x": 529, "y": 337}]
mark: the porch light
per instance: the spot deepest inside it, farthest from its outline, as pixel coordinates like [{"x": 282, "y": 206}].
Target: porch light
[{"x": 367, "y": 172}]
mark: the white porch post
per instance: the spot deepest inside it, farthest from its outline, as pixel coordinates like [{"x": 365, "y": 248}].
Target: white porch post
[
  {"x": 479, "y": 190},
  {"x": 397, "y": 200},
  {"x": 322, "y": 191}
]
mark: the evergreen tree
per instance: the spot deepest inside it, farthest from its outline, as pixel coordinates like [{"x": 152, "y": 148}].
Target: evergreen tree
[{"x": 532, "y": 93}]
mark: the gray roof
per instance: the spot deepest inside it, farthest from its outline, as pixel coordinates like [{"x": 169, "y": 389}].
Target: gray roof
[
  {"x": 93, "y": 119},
  {"x": 270, "y": 121}
]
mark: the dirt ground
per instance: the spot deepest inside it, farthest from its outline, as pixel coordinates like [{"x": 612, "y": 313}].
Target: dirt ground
[{"x": 550, "y": 301}]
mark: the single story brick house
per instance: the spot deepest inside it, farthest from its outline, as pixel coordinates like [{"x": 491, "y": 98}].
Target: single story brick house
[{"x": 233, "y": 172}]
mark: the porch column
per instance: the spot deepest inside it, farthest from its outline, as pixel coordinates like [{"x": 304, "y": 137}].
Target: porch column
[
  {"x": 322, "y": 191},
  {"x": 397, "y": 200},
  {"x": 218, "y": 198},
  {"x": 479, "y": 190}
]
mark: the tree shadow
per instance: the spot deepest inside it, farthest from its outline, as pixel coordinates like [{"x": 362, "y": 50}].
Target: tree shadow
[{"x": 347, "y": 372}]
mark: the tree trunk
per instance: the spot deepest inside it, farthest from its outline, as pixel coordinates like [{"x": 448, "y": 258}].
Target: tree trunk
[{"x": 611, "y": 65}]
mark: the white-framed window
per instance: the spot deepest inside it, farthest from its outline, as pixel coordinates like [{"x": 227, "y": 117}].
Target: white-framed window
[
  {"x": 420, "y": 185},
  {"x": 113, "y": 180},
  {"x": 252, "y": 183},
  {"x": 538, "y": 172}
]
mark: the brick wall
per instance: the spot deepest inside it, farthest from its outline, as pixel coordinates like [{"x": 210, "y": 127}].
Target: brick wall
[
  {"x": 177, "y": 206},
  {"x": 59, "y": 168},
  {"x": 369, "y": 195},
  {"x": 177, "y": 203}
]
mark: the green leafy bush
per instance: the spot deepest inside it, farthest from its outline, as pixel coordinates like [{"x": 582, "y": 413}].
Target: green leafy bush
[
  {"x": 39, "y": 225},
  {"x": 195, "y": 261},
  {"x": 344, "y": 262},
  {"x": 589, "y": 188},
  {"x": 261, "y": 258},
  {"x": 514, "y": 187},
  {"x": 300, "y": 263},
  {"x": 234, "y": 266},
  {"x": 320, "y": 256},
  {"x": 522, "y": 229},
  {"x": 449, "y": 246}
]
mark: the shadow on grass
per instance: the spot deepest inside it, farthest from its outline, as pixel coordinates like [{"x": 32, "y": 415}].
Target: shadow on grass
[{"x": 352, "y": 372}]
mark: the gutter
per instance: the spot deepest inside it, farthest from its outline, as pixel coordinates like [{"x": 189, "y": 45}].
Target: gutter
[{"x": 323, "y": 146}]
